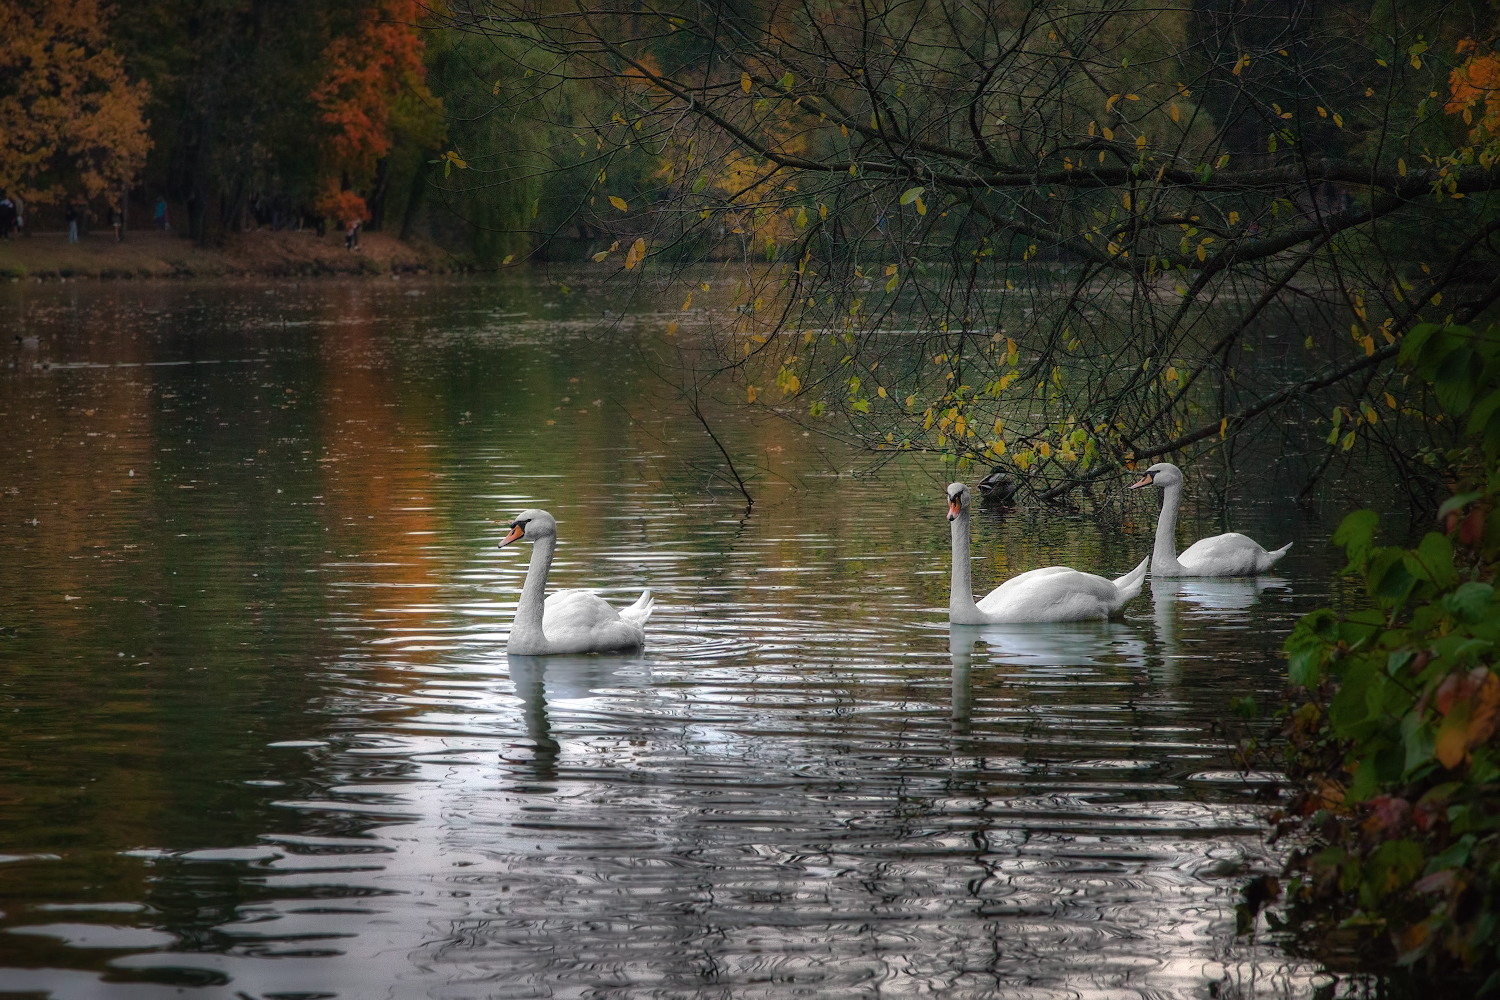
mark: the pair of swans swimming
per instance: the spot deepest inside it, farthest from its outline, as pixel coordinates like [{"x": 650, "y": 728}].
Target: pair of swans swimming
[{"x": 579, "y": 621}]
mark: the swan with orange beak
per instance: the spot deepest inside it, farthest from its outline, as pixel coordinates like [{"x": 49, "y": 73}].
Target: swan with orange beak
[
  {"x": 1050, "y": 594},
  {"x": 567, "y": 621},
  {"x": 1229, "y": 554}
]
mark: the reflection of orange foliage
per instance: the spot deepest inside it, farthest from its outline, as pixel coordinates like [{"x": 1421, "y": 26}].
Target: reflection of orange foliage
[
  {"x": 71, "y": 124},
  {"x": 377, "y": 489},
  {"x": 368, "y": 75},
  {"x": 1476, "y": 82}
]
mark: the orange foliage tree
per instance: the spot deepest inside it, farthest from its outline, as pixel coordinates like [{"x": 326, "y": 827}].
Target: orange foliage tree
[
  {"x": 1476, "y": 87},
  {"x": 374, "y": 88},
  {"x": 71, "y": 122}
]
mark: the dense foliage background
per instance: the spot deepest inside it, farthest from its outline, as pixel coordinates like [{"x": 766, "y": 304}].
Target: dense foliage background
[{"x": 249, "y": 112}]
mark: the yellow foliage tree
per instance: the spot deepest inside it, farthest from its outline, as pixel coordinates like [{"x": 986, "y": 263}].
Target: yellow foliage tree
[{"x": 71, "y": 122}]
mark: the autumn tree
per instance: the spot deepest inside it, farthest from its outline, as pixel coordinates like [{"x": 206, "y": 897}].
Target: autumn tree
[
  {"x": 1063, "y": 239},
  {"x": 373, "y": 93},
  {"x": 72, "y": 122}
]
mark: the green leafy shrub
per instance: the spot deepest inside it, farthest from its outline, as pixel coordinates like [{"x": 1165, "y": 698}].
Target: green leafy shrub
[{"x": 1392, "y": 742}]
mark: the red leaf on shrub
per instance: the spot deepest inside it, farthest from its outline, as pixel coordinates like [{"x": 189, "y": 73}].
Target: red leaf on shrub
[
  {"x": 1387, "y": 813},
  {"x": 1436, "y": 882},
  {"x": 1456, "y": 687},
  {"x": 1486, "y": 709},
  {"x": 1471, "y": 532}
]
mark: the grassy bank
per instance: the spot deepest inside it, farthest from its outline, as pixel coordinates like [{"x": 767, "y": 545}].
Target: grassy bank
[{"x": 153, "y": 254}]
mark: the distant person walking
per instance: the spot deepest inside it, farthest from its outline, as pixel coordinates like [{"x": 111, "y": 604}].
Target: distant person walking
[
  {"x": 351, "y": 236},
  {"x": 116, "y": 220},
  {"x": 7, "y": 215},
  {"x": 72, "y": 217},
  {"x": 161, "y": 213}
]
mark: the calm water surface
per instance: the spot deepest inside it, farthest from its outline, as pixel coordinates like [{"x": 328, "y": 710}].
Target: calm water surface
[{"x": 259, "y": 736}]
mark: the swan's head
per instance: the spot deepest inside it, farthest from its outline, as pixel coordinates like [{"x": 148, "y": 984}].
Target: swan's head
[
  {"x": 1162, "y": 474},
  {"x": 958, "y": 499},
  {"x": 530, "y": 526}
]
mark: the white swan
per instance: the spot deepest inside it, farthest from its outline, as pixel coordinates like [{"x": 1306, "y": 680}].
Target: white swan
[
  {"x": 570, "y": 621},
  {"x": 1229, "y": 554},
  {"x": 1052, "y": 594}
]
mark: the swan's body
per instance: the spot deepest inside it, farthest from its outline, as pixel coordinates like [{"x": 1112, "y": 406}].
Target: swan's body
[
  {"x": 1229, "y": 554},
  {"x": 1050, "y": 594},
  {"x": 568, "y": 621}
]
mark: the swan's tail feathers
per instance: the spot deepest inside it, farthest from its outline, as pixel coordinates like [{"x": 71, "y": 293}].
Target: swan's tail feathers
[
  {"x": 1271, "y": 557},
  {"x": 640, "y": 610},
  {"x": 1129, "y": 585}
]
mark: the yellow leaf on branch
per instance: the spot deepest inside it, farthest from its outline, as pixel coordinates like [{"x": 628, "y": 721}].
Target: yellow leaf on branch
[{"x": 636, "y": 255}]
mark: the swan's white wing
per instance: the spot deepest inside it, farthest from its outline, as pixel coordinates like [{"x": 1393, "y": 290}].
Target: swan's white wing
[
  {"x": 580, "y": 621},
  {"x": 1229, "y": 554},
  {"x": 571, "y": 608},
  {"x": 1050, "y": 594}
]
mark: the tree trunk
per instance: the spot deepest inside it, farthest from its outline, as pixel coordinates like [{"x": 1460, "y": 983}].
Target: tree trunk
[
  {"x": 377, "y": 199},
  {"x": 414, "y": 201}
]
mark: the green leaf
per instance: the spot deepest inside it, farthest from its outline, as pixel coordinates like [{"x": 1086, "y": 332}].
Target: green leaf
[
  {"x": 1469, "y": 602},
  {"x": 1454, "y": 384},
  {"x": 1433, "y": 561},
  {"x": 1308, "y": 646},
  {"x": 1482, "y": 412},
  {"x": 1455, "y": 856},
  {"x": 1388, "y": 577},
  {"x": 1417, "y": 738},
  {"x": 1415, "y": 340},
  {"x": 911, "y": 194},
  {"x": 1442, "y": 343},
  {"x": 1356, "y": 533},
  {"x": 1391, "y": 867}
]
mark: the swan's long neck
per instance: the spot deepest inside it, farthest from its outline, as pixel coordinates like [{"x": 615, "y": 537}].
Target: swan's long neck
[
  {"x": 1164, "y": 555},
  {"x": 527, "y": 629},
  {"x": 961, "y": 607}
]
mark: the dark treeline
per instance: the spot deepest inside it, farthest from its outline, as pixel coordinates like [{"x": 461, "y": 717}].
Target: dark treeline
[{"x": 243, "y": 113}]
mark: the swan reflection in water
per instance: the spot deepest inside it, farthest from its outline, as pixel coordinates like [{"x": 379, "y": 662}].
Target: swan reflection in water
[
  {"x": 1221, "y": 602},
  {"x": 1039, "y": 646},
  {"x": 539, "y": 680}
]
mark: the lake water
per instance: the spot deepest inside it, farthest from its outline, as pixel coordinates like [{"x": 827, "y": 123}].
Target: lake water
[{"x": 259, "y": 736}]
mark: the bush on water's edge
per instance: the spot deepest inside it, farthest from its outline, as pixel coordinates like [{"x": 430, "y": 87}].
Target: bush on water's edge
[{"x": 1391, "y": 729}]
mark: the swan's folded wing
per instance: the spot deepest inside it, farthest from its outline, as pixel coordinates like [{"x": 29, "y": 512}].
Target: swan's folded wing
[
  {"x": 574, "y": 610},
  {"x": 1229, "y": 554},
  {"x": 1053, "y": 593}
]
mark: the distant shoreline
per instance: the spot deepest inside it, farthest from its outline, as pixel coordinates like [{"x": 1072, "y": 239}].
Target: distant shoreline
[{"x": 151, "y": 253}]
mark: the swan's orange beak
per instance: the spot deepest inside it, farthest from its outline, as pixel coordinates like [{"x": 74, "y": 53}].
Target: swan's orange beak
[
  {"x": 1143, "y": 481},
  {"x": 516, "y": 531},
  {"x": 954, "y": 508}
]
